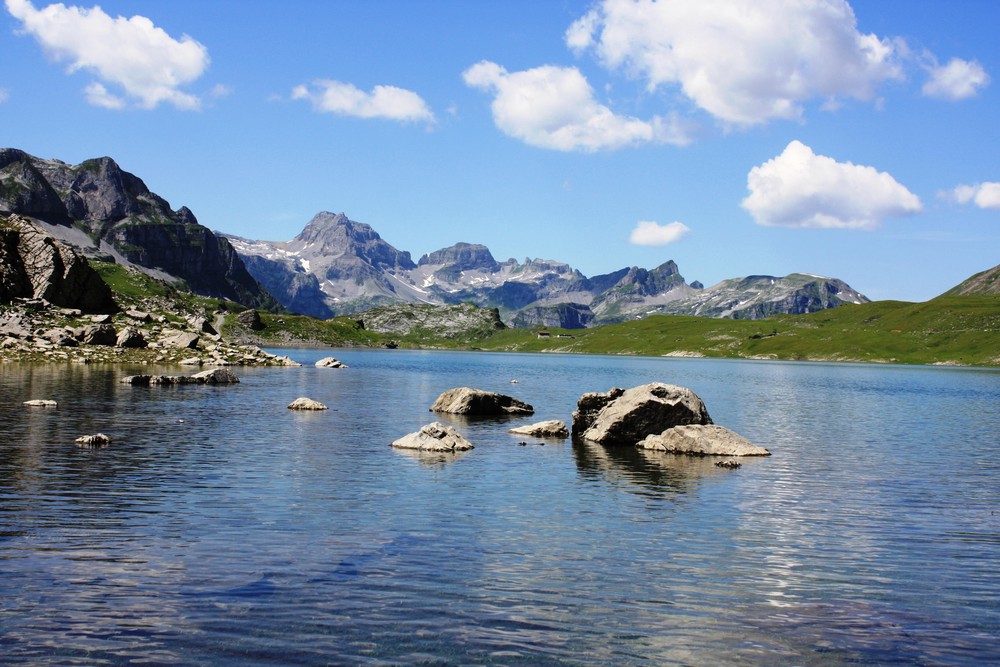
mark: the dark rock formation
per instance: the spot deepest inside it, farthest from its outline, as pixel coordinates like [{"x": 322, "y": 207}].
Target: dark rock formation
[
  {"x": 36, "y": 266},
  {"x": 115, "y": 207}
]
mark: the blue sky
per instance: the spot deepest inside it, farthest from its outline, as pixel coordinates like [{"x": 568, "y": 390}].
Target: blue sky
[{"x": 769, "y": 137}]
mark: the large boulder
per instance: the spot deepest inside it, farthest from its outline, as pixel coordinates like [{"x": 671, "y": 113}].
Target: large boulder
[
  {"x": 702, "y": 440},
  {"x": 478, "y": 403},
  {"x": 184, "y": 340},
  {"x": 97, "y": 334},
  {"x": 131, "y": 337},
  {"x": 434, "y": 437},
  {"x": 629, "y": 416},
  {"x": 330, "y": 362},
  {"x": 36, "y": 264}
]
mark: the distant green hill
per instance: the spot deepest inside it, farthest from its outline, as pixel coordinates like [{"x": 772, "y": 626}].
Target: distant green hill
[{"x": 963, "y": 330}]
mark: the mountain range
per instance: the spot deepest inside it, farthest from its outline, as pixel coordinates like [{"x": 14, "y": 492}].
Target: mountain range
[{"x": 337, "y": 266}]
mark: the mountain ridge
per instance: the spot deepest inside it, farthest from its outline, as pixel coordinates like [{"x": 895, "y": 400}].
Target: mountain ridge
[{"x": 337, "y": 266}]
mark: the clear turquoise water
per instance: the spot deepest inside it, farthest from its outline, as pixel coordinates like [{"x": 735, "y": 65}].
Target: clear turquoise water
[{"x": 220, "y": 528}]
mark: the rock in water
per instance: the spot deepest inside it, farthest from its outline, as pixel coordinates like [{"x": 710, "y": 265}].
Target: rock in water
[
  {"x": 434, "y": 437},
  {"x": 702, "y": 440},
  {"x": 41, "y": 403},
  {"x": 216, "y": 376},
  {"x": 329, "y": 362},
  {"x": 96, "y": 440},
  {"x": 547, "y": 429},
  {"x": 303, "y": 403},
  {"x": 475, "y": 402},
  {"x": 629, "y": 416}
]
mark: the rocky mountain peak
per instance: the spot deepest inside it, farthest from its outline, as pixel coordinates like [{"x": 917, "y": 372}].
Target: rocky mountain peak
[
  {"x": 336, "y": 235},
  {"x": 462, "y": 257}
]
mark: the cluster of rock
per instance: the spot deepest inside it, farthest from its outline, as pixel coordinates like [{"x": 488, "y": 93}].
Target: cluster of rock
[
  {"x": 214, "y": 376},
  {"x": 654, "y": 416},
  {"x": 657, "y": 416},
  {"x": 37, "y": 330}
]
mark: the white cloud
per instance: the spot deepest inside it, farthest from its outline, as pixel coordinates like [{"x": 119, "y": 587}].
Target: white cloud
[
  {"x": 652, "y": 234},
  {"x": 743, "y": 62},
  {"x": 4, "y": 95},
  {"x": 801, "y": 189},
  {"x": 983, "y": 195},
  {"x": 133, "y": 54},
  {"x": 554, "y": 107},
  {"x": 382, "y": 102},
  {"x": 957, "y": 80}
]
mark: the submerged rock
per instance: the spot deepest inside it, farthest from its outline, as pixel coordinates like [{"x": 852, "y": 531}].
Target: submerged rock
[
  {"x": 40, "y": 403},
  {"x": 702, "y": 440},
  {"x": 626, "y": 417},
  {"x": 475, "y": 402},
  {"x": 214, "y": 376},
  {"x": 548, "y": 429},
  {"x": 434, "y": 437},
  {"x": 303, "y": 403}
]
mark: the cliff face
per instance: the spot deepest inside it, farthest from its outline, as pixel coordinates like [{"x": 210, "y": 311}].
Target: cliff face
[
  {"x": 35, "y": 265},
  {"x": 121, "y": 216}
]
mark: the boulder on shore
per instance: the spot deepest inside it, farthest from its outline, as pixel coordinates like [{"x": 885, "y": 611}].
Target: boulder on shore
[
  {"x": 626, "y": 417},
  {"x": 478, "y": 403},
  {"x": 329, "y": 362},
  {"x": 702, "y": 440},
  {"x": 434, "y": 437},
  {"x": 548, "y": 429},
  {"x": 303, "y": 403}
]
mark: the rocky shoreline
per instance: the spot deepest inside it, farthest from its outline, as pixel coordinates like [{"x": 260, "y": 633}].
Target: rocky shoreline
[{"x": 36, "y": 331}]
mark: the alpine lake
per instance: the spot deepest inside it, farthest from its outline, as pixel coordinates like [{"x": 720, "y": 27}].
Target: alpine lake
[{"x": 221, "y": 528}]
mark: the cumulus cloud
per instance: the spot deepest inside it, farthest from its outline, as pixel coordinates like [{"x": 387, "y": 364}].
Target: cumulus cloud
[
  {"x": 554, "y": 107},
  {"x": 983, "y": 195},
  {"x": 147, "y": 64},
  {"x": 745, "y": 63},
  {"x": 649, "y": 233},
  {"x": 346, "y": 99},
  {"x": 801, "y": 189},
  {"x": 957, "y": 80}
]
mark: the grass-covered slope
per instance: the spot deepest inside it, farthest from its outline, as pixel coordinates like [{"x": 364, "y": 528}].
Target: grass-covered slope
[{"x": 946, "y": 330}]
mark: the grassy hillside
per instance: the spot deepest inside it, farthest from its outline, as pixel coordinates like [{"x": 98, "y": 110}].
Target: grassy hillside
[{"x": 946, "y": 330}]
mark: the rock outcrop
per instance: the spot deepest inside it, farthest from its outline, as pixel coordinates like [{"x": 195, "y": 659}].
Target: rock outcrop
[
  {"x": 36, "y": 266},
  {"x": 553, "y": 428},
  {"x": 626, "y": 417},
  {"x": 434, "y": 437},
  {"x": 457, "y": 321},
  {"x": 213, "y": 376},
  {"x": 702, "y": 440},
  {"x": 329, "y": 362},
  {"x": 478, "y": 403}
]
